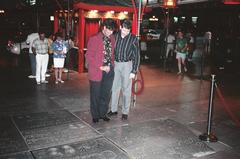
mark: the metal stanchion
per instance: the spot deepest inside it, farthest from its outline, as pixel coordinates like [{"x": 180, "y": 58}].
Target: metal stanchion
[
  {"x": 202, "y": 65},
  {"x": 210, "y": 137},
  {"x": 135, "y": 90}
]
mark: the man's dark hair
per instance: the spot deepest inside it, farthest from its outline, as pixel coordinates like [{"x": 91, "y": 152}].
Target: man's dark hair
[
  {"x": 126, "y": 23},
  {"x": 41, "y": 32},
  {"x": 109, "y": 24}
]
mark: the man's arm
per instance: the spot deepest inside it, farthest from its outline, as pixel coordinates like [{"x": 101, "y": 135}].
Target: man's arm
[
  {"x": 90, "y": 54},
  {"x": 34, "y": 47},
  {"x": 136, "y": 56}
]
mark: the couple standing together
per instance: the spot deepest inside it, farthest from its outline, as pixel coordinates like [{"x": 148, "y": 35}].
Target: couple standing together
[{"x": 113, "y": 61}]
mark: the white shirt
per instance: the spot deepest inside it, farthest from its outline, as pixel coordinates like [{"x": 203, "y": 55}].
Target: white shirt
[
  {"x": 208, "y": 35},
  {"x": 170, "y": 39},
  {"x": 30, "y": 38}
]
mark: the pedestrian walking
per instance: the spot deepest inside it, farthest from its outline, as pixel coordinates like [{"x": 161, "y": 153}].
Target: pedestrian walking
[
  {"x": 30, "y": 38},
  {"x": 181, "y": 49}
]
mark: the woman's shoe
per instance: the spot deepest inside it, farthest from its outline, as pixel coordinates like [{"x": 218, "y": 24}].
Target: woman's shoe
[
  {"x": 185, "y": 69},
  {"x": 179, "y": 72},
  {"x": 61, "y": 81}
]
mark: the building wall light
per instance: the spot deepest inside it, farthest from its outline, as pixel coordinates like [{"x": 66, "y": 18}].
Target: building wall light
[
  {"x": 153, "y": 19},
  {"x": 51, "y": 18}
]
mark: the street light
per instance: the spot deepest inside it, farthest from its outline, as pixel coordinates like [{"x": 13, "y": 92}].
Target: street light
[
  {"x": 142, "y": 4},
  {"x": 169, "y": 3}
]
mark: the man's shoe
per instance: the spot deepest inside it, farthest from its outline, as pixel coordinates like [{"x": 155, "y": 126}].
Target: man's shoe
[
  {"x": 112, "y": 113},
  {"x": 31, "y": 76},
  {"x": 105, "y": 118},
  {"x": 44, "y": 82},
  {"x": 61, "y": 81},
  {"x": 124, "y": 117},
  {"x": 95, "y": 120},
  {"x": 47, "y": 75}
]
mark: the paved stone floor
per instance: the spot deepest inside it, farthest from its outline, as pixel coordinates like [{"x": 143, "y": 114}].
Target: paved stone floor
[{"x": 50, "y": 121}]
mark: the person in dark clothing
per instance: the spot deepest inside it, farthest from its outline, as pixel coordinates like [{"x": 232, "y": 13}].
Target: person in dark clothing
[{"x": 100, "y": 59}]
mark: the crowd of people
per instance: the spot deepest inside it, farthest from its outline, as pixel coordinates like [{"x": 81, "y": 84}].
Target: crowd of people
[
  {"x": 176, "y": 45},
  {"x": 113, "y": 59},
  {"x": 47, "y": 54}
]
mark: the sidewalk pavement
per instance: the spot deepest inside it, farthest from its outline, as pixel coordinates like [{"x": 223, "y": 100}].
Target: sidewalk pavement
[{"x": 50, "y": 121}]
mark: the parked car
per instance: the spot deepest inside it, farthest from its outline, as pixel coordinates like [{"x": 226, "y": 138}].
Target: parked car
[
  {"x": 17, "y": 48},
  {"x": 153, "y": 34}
]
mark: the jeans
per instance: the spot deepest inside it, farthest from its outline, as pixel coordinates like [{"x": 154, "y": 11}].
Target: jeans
[{"x": 33, "y": 63}]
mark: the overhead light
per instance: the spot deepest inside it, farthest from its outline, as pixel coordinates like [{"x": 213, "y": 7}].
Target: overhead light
[
  {"x": 169, "y": 3},
  {"x": 122, "y": 15},
  {"x": 175, "y": 19},
  {"x": 51, "y": 18},
  {"x": 194, "y": 20},
  {"x": 153, "y": 18}
]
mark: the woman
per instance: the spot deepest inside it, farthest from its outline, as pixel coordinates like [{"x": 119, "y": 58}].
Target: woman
[{"x": 59, "y": 53}]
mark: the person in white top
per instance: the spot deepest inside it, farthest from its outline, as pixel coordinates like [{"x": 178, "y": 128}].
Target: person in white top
[
  {"x": 170, "y": 45},
  {"x": 208, "y": 37},
  {"x": 170, "y": 40},
  {"x": 30, "y": 38}
]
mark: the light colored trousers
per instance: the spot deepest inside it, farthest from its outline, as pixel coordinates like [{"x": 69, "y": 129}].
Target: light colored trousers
[
  {"x": 169, "y": 47},
  {"x": 41, "y": 66},
  {"x": 122, "y": 83}
]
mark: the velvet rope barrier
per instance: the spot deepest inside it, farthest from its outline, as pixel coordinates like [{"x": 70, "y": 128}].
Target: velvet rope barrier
[{"x": 140, "y": 84}]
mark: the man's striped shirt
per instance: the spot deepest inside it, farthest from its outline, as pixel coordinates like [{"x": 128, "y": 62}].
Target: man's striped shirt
[{"x": 127, "y": 49}]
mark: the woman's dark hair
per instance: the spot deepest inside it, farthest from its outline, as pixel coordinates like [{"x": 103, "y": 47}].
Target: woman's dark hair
[{"x": 58, "y": 34}]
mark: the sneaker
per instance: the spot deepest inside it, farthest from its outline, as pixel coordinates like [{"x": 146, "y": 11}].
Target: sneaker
[
  {"x": 179, "y": 72},
  {"x": 44, "y": 82},
  {"x": 56, "y": 82},
  {"x": 47, "y": 75},
  {"x": 185, "y": 69},
  {"x": 124, "y": 117},
  {"x": 65, "y": 70},
  {"x": 61, "y": 81},
  {"x": 38, "y": 83},
  {"x": 31, "y": 76},
  {"x": 112, "y": 113}
]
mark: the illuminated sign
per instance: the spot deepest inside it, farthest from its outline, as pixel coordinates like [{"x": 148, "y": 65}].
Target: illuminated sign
[
  {"x": 169, "y": 3},
  {"x": 231, "y": 1},
  {"x": 190, "y": 1}
]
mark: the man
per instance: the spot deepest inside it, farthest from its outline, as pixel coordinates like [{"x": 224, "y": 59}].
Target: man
[
  {"x": 127, "y": 60},
  {"x": 170, "y": 45},
  {"x": 40, "y": 49},
  {"x": 30, "y": 38},
  {"x": 181, "y": 49},
  {"x": 100, "y": 59}
]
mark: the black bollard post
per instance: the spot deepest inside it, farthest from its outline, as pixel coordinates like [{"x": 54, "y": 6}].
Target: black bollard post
[
  {"x": 202, "y": 65},
  {"x": 210, "y": 137}
]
